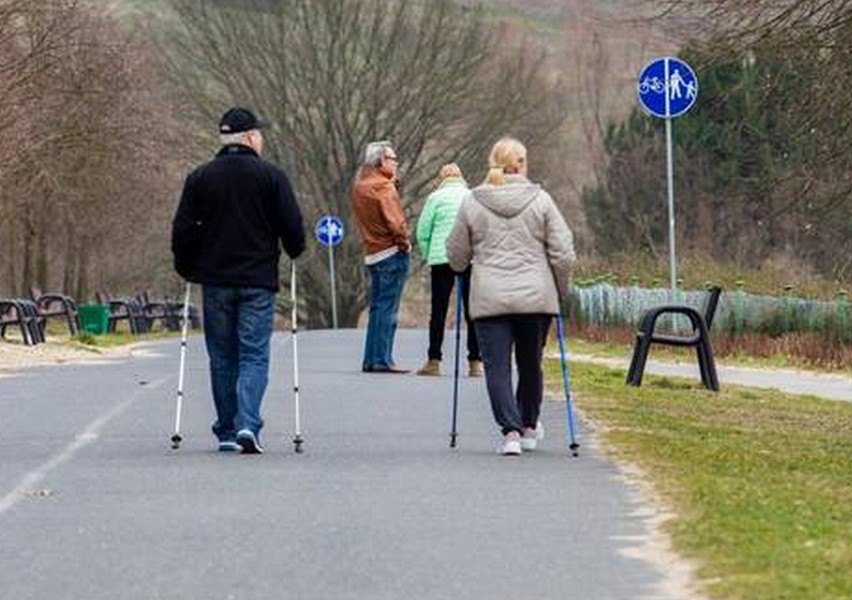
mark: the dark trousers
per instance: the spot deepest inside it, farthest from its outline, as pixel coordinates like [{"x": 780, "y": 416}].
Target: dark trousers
[
  {"x": 497, "y": 336},
  {"x": 443, "y": 280}
]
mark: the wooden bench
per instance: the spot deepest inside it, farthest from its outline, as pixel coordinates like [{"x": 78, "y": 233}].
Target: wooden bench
[{"x": 698, "y": 339}]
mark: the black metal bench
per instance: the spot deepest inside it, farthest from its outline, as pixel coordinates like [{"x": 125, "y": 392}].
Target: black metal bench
[
  {"x": 124, "y": 309},
  {"x": 698, "y": 339},
  {"x": 166, "y": 311},
  {"x": 23, "y": 314},
  {"x": 53, "y": 305}
]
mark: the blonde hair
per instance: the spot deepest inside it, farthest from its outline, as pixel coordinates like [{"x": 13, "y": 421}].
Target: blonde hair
[
  {"x": 506, "y": 157},
  {"x": 449, "y": 170}
]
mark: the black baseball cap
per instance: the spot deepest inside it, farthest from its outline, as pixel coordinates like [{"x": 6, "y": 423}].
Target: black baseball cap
[{"x": 239, "y": 119}]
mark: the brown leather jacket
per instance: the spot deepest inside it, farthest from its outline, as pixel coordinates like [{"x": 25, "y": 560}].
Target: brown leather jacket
[{"x": 377, "y": 209}]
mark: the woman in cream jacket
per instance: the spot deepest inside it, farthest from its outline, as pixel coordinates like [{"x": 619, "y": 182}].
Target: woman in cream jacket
[{"x": 521, "y": 251}]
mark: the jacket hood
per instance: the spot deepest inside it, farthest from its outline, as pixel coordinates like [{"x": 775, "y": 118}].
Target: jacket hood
[{"x": 507, "y": 200}]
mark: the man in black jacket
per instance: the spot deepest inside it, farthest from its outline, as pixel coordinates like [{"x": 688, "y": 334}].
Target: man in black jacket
[{"x": 235, "y": 213}]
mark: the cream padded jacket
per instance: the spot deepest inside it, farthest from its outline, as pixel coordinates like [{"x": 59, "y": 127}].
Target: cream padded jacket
[{"x": 519, "y": 245}]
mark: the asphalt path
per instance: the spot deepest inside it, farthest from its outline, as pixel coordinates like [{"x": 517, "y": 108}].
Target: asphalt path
[
  {"x": 828, "y": 386},
  {"x": 94, "y": 503}
]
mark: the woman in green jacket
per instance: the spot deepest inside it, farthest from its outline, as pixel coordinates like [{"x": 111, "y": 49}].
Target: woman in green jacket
[{"x": 435, "y": 223}]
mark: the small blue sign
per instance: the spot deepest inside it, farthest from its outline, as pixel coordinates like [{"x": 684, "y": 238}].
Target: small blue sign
[
  {"x": 329, "y": 230},
  {"x": 667, "y": 87}
]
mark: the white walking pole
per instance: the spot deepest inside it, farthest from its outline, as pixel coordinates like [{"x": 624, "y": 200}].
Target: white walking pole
[
  {"x": 176, "y": 439},
  {"x": 297, "y": 439}
]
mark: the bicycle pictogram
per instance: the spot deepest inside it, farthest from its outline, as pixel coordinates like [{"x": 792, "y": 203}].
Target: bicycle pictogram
[{"x": 652, "y": 84}]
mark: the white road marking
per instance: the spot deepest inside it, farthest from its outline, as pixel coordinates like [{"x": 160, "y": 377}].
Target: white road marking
[{"x": 81, "y": 440}]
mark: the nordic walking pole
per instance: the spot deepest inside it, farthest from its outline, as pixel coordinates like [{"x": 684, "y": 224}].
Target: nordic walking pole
[
  {"x": 297, "y": 438},
  {"x": 454, "y": 431},
  {"x": 574, "y": 446},
  {"x": 176, "y": 439}
]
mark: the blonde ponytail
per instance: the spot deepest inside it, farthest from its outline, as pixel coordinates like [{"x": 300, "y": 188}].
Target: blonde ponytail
[
  {"x": 507, "y": 156},
  {"x": 495, "y": 176}
]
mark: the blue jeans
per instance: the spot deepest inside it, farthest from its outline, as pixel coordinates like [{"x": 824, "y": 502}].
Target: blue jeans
[
  {"x": 387, "y": 279},
  {"x": 237, "y": 328}
]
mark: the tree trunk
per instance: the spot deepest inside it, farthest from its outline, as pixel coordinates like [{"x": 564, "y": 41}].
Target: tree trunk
[
  {"x": 11, "y": 274},
  {"x": 70, "y": 261},
  {"x": 28, "y": 257},
  {"x": 41, "y": 248},
  {"x": 82, "y": 288}
]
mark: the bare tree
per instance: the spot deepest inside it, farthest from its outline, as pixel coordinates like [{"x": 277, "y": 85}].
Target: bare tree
[
  {"x": 334, "y": 75},
  {"x": 783, "y": 23},
  {"x": 85, "y": 193}
]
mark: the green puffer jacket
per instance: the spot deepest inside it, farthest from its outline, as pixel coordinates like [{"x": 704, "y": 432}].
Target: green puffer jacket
[{"x": 437, "y": 219}]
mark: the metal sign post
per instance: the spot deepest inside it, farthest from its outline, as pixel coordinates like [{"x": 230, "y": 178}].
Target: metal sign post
[
  {"x": 668, "y": 88},
  {"x": 329, "y": 232}
]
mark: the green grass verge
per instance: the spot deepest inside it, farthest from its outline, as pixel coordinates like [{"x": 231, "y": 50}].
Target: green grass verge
[
  {"x": 761, "y": 481},
  {"x": 112, "y": 340}
]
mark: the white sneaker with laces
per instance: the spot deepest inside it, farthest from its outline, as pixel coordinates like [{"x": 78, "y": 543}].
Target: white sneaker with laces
[
  {"x": 531, "y": 437},
  {"x": 511, "y": 445}
]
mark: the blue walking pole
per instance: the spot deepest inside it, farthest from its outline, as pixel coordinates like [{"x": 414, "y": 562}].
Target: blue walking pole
[
  {"x": 573, "y": 445},
  {"x": 454, "y": 430}
]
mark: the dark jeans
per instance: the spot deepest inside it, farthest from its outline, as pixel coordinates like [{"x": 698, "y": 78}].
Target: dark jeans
[
  {"x": 387, "y": 278},
  {"x": 443, "y": 280},
  {"x": 497, "y": 336},
  {"x": 237, "y": 328}
]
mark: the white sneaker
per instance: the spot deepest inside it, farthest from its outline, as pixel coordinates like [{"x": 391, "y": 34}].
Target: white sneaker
[
  {"x": 511, "y": 445},
  {"x": 531, "y": 437},
  {"x": 528, "y": 440}
]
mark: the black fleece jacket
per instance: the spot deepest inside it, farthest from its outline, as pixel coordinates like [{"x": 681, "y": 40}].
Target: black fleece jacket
[{"x": 232, "y": 214}]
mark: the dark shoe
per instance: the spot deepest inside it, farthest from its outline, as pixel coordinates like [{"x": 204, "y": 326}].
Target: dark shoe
[
  {"x": 229, "y": 446},
  {"x": 248, "y": 442},
  {"x": 384, "y": 369}
]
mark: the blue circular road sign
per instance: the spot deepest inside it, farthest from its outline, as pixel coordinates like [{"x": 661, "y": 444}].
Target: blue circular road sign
[
  {"x": 329, "y": 230},
  {"x": 667, "y": 87}
]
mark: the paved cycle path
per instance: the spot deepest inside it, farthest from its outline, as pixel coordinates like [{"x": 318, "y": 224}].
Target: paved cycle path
[
  {"x": 95, "y": 505},
  {"x": 829, "y": 386}
]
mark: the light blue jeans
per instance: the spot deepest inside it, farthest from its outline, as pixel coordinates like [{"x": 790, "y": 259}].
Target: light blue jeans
[
  {"x": 387, "y": 278},
  {"x": 237, "y": 328}
]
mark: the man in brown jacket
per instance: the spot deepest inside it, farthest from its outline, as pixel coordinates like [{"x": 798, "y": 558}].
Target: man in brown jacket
[{"x": 377, "y": 209}]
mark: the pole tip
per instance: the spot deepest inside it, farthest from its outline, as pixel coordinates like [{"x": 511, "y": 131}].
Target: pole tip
[
  {"x": 176, "y": 440},
  {"x": 453, "y": 439},
  {"x": 575, "y": 447},
  {"x": 297, "y": 442}
]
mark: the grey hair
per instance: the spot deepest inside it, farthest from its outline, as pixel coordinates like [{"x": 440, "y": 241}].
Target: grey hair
[
  {"x": 233, "y": 138},
  {"x": 375, "y": 152}
]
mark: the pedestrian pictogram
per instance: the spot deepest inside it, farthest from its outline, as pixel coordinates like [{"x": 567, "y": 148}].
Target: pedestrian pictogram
[{"x": 667, "y": 87}]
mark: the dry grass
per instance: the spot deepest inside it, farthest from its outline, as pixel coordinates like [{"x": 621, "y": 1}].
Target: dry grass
[{"x": 804, "y": 350}]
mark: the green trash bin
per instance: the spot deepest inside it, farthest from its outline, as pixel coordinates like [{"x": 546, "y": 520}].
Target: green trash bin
[{"x": 94, "y": 318}]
